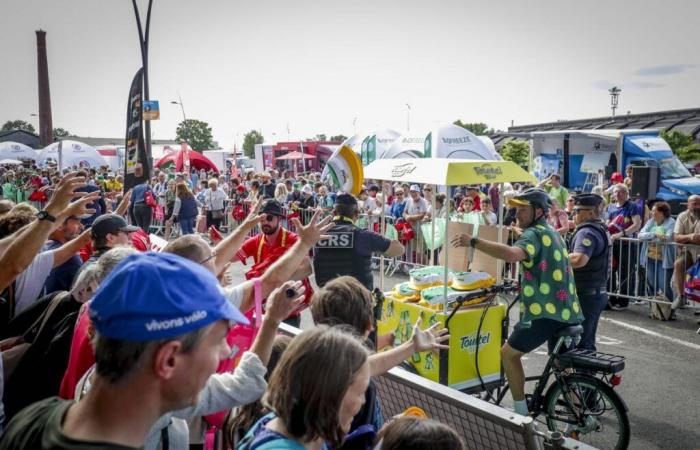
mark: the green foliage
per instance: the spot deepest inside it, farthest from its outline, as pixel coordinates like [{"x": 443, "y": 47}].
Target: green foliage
[
  {"x": 338, "y": 138},
  {"x": 196, "y": 133},
  {"x": 60, "y": 133},
  {"x": 682, "y": 145},
  {"x": 18, "y": 125},
  {"x": 478, "y": 128},
  {"x": 516, "y": 151},
  {"x": 249, "y": 140}
]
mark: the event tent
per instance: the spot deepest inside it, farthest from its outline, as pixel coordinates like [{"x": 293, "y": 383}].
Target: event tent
[
  {"x": 15, "y": 150},
  {"x": 197, "y": 160},
  {"x": 73, "y": 153},
  {"x": 406, "y": 146},
  {"x": 452, "y": 141}
]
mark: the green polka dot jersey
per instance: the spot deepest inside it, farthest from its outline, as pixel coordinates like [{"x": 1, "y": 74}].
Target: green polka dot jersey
[{"x": 548, "y": 289}]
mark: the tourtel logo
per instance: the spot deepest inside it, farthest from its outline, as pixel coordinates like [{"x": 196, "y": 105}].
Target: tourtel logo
[
  {"x": 457, "y": 140},
  {"x": 159, "y": 325},
  {"x": 468, "y": 343},
  {"x": 489, "y": 172},
  {"x": 402, "y": 169}
]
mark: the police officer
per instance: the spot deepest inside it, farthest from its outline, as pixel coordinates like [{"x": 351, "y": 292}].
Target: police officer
[
  {"x": 349, "y": 249},
  {"x": 590, "y": 255}
]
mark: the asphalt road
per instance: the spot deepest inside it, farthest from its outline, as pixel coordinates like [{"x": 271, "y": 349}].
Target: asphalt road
[{"x": 661, "y": 380}]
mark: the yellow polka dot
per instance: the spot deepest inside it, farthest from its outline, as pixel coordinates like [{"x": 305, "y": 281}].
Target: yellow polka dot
[
  {"x": 566, "y": 254},
  {"x": 557, "y": 255},
  {"x": 572, "y": 288},
  {"x": 551, "y": 309},
  {"x": 529, "y": 291},
  {"x": 528, "y": 264},
  {"x": 540, "y": 227},
  {"x": 557, "y": 275},
  {"x": 576, "y": 307},
  {"x": 566, "y": 314},
  {"x": 544, "y": 288},
  {"x": 535, "y": 309},
  {"x": 530, "y": 249},
  {"x": 546, "y": 241}
]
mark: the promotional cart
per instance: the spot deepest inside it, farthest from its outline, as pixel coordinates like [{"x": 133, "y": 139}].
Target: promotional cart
[{"x": 473, "y": 358}]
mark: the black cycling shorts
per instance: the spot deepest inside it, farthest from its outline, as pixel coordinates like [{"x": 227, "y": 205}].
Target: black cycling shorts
[{"x": 527, "y": 338}]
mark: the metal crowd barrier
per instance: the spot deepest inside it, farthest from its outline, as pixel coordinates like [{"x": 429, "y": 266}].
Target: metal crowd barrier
[
  {"x": 482, "y": 425},
  {"x": 637, "y": 277}
]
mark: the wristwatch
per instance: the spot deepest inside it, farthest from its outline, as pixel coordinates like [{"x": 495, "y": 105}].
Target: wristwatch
[
  {"x": 43, "y": 215},
  {"x": 472, "y": 242}
]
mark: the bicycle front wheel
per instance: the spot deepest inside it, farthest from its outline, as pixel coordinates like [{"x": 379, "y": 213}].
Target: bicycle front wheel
[{"x": 604, "y": 423}]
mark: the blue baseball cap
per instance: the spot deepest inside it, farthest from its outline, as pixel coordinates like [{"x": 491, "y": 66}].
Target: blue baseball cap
[{"x": 152, "y": 296}]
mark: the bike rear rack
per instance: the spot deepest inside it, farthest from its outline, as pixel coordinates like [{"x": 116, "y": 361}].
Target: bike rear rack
[{"x": 591, "y": 360}]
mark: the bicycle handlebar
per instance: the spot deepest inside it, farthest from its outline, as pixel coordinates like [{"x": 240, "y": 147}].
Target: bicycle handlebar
[{"x": 505, "y": 287}]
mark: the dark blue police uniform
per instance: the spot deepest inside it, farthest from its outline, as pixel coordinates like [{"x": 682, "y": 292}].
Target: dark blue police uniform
[
  {"x": 592, "y": 239},
  {"x": 348, "y": 251}
]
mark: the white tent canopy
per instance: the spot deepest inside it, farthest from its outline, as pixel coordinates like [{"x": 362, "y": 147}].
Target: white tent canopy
[
  {"x": 452, "y": 141},
  {"x": 15, "y": 150},
  {"x": 73, "y": 153},
  {"x": 376, "y": 144},
  {"x": 406, "y": 146}
]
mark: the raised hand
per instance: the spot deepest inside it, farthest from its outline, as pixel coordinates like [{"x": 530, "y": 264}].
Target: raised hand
[
  {"x": 313, "y": 232},
  {"x": 79, "y": 207},
  {"x": 254, "y": 217},
  {"x": 429, "y": 339},
  {"x": 461, "y": 240},
  {"x": 279, "y": 305},
  {"x": 65, "y": 192}
]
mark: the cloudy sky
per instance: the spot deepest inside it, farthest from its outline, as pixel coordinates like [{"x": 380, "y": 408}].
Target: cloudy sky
[{"x": 319, "y": 64}]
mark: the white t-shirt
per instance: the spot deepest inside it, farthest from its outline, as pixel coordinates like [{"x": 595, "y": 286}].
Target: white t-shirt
[
  {"x": 416, "y": 207},
  {"x": 30, "y": 283}
]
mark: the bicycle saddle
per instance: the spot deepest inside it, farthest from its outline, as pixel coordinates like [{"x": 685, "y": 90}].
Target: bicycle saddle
[{"x": 572, "y": 331}]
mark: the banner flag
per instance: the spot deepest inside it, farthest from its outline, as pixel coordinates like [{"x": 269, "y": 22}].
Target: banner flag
[{"x": 135, "y": 153}]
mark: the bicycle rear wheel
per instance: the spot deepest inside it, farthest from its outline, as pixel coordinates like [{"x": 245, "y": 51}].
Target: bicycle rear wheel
[{"x": 606, "y": 422}]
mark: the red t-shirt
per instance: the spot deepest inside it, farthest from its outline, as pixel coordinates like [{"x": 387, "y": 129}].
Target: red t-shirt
[
  {"x": 81, "y": 356},
  {"x": 251, "y": 248}
]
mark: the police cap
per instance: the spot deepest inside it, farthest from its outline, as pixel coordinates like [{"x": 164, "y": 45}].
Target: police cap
[
  {"x": 587, "y": 201},
  {"x": 345, "y": 199}
]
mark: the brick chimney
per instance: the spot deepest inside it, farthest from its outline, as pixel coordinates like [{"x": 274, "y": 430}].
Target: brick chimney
[{"x": 45, "y": 122}]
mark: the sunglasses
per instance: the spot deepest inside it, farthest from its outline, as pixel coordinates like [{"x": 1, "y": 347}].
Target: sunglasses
[
  {"x": 269, "y": 217},
  {"x": 399, "y": 194},
  {"x": 212, "y": 256},
  {"x": 427, "y": 189}
]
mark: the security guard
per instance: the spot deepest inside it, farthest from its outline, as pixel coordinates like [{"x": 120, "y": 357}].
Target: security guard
[
  {"x": 590, "y": 255},
  {"x": 349, "y": 249}
]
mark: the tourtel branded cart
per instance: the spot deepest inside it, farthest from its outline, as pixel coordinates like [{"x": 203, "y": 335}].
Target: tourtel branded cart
[{"x": 476, "y": 331}]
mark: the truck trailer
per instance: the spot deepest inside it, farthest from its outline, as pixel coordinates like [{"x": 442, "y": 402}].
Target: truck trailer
[{"x": 583, "y": 158}]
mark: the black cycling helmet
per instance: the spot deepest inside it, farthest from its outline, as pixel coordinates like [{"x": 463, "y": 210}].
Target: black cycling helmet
[{"x": 535, "y": 197}]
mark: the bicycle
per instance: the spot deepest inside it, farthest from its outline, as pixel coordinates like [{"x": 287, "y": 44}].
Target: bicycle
[{"x": 581, "y": 402}]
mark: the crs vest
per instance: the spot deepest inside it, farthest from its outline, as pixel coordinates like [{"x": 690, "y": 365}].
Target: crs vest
[
  {"x": 188, "y": 207},
  {"x": 337, "y": 256},
  {"x": 596, "y": 272}
]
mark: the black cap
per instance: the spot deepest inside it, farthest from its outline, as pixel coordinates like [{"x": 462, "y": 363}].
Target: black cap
[
  {"x": 110, "y": 223},
  {"x": 374, "y": 187},
  {"x": 345, "y": 199},
  {"x": 532, "y": 197},
  {"x": 272, "y": 206},
  {"x": 588, "y": 200}
]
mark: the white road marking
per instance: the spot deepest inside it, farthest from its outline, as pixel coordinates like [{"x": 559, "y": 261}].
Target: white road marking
[
  {"x": 652, "y": 333},
  {"x": 605, "y": 340}
]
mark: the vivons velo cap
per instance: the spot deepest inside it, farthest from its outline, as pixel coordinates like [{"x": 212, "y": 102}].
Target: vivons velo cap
[{"x": 152, "y": 296}]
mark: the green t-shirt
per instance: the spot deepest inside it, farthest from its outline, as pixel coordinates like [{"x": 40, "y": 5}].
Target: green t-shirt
[
  {"x": 548, "y": 289},
  {"x": 38, "y": 427},
  {"x": 9, "y": 191},
  {"x": 560, "y": 194}
]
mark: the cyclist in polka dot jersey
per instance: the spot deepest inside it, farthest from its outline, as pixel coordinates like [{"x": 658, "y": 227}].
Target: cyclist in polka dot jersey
[{"x": 548, "y": 299}]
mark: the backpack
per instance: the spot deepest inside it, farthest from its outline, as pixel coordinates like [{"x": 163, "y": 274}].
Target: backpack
[
  {"x": 7, "y": 307},
  {"x": 260, "y": 438},
  {"x": 691, "y": 287},
  {"x": 14, "y": 348}
]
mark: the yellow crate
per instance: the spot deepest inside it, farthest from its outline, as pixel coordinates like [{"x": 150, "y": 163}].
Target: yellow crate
[{"x": 398, "y": 317}]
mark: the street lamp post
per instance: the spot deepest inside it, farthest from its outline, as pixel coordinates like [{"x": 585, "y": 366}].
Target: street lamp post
[
  {"x": 184, "y": 118},
  {"x": 354, "y": 127},
  {"x": 408, "y": 117},
  {"x": 614, "y": 97}
]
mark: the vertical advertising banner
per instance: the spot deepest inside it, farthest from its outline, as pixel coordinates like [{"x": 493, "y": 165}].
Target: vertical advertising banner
[{"x": 136, "y": 166}]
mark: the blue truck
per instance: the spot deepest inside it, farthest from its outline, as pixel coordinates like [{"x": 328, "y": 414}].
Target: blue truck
[{"x": 584, "y": 158}]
